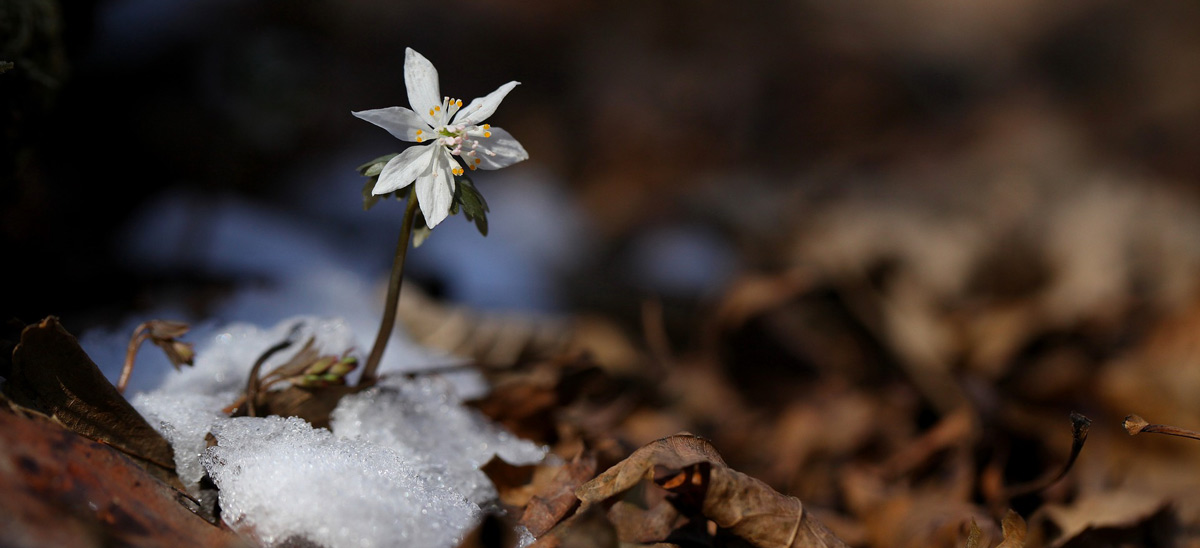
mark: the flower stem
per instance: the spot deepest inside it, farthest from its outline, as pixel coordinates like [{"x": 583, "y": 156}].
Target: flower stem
[{"x": 388, "y": 323}]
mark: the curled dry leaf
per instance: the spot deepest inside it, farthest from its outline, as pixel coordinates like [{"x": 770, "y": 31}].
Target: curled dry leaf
[
  {"x": 164, "y": 334},
  {"x": 589, "y": 528},
  {"x": 52, "y": 374},
  {"x": 551, "y": 503},
  {"x": 690, "y": 468},
  {"x": 1014, "y": 530}
]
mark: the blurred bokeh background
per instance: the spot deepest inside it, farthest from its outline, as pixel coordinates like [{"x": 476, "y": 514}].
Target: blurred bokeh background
[
  {"x": 861, "y": 213},
  {"x": 673, "y": 145}
]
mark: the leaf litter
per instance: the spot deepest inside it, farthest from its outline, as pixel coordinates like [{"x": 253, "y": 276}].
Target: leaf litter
[{"x": 864, "y": 401}]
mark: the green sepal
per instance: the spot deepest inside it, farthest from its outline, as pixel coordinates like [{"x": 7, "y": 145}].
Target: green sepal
[
  {"x": 474, "y": 207},
  {"x": 369, "y": 200},
  {"x": 371, "y": 171},
  {"x": 375, "y": 167}
]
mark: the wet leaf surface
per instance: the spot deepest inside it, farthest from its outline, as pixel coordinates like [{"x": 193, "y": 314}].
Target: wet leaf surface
[{"x": 60, "y": 489}]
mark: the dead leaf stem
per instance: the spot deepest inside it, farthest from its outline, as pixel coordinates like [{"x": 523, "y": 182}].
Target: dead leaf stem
[
  {"x": 1136, "y": 425},
  {"x": 252, "y": 383},
  {"x": 1080, "y": 425},
  {"x": 140, "y": 334}
]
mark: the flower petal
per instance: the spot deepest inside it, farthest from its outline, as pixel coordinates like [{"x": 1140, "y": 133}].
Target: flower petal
[
  {"x": 499, "y": 150},
  {"x": 435, "y": 188},
  {"x": 401, "y": 170},
  {"x": 402, "y": 123},
  {"x": 481, "y": 107},
  {"x": 421, "y": 79}
]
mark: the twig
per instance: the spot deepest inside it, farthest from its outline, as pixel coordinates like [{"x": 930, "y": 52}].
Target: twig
[
  {"x": 140, "y": 334},
  {"x": 252, "y": 384},
  {"x": 1080, "y": 425},
  {"x": 1136, "y": 425}
]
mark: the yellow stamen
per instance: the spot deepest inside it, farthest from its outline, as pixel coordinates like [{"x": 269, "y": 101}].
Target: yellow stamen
[
  {"x": 472, "y": 166},
  {"x": 477, "y": 160},
  {"x": 487, "y": 126},
  {"x": 419, "y": 139},
  {"x": 437, "y": 108},
  {"x": 420, "y": 131},
  {"x": 487, "y": 134},
  {"x": 431, "y": 112},
  {"x": 458, "y": 103}
]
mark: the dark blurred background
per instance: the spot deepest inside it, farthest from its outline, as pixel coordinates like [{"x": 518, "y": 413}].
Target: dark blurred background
[{"x": 682, "y": 141}]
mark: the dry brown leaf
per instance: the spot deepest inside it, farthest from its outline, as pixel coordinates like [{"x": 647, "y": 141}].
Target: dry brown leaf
[
  {"x": 512, "y": 482},
  {"x": 551, "y": 503},
  {"x": 1112, "y": 513},
  {"x": 975, "y": 536},
  {"x": 589, "y": 528},
  {"x": 644, "y": 525},
  {"x": 60, "y": 489},
  {"x": 755, "y": 294},
  {"x": 1014, "y": 530},
  {"x": 927, "y": 520},
  {"x": 311, "y": 404},
  {"x": 52, "y": 374},
  {"x": 690, "y": 468}
]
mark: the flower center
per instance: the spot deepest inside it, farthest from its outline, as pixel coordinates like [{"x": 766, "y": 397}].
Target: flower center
[{"x": 463, "y": 139}]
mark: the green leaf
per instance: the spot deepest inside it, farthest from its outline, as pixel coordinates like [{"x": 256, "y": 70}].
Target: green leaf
[{"x": 375, "y": 167}]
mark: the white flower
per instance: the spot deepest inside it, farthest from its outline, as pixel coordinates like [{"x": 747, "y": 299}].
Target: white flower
[{"x": 449, "y": 129}]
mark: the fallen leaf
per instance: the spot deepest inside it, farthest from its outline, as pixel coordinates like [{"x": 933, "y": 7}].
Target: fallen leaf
[
  {"x": 61, "y": 489},
  {"x": 1014, "y": 531},
  {"x": 975, "y": 536},
  {"x": 311, "y": 404},
  {"x": 1115, "y": 515},
  {"x": 512, "y": 482},
  {"x": 52, "y": 374},
  {"x": 691, "y": 468},
  {"x": 589, "y": 528},
  {"x": 550, "y": 504}
]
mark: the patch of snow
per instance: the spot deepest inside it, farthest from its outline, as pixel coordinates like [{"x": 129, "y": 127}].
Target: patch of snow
[
  {"x": 184, "y": 420},
  {"x": 424, "y": 418},
  {"x": 400, "y": 468},
  {"x": 279, "y": 478}
]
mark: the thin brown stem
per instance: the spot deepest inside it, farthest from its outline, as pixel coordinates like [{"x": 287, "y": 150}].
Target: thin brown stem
[
  {"x": 1080, "y": 425},
  {"x": 1136, "y": 425},
  {"x": 140, "y": 334},
  {"x": 253, "y": 382},
  {"x": 369, "y": 374}
]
